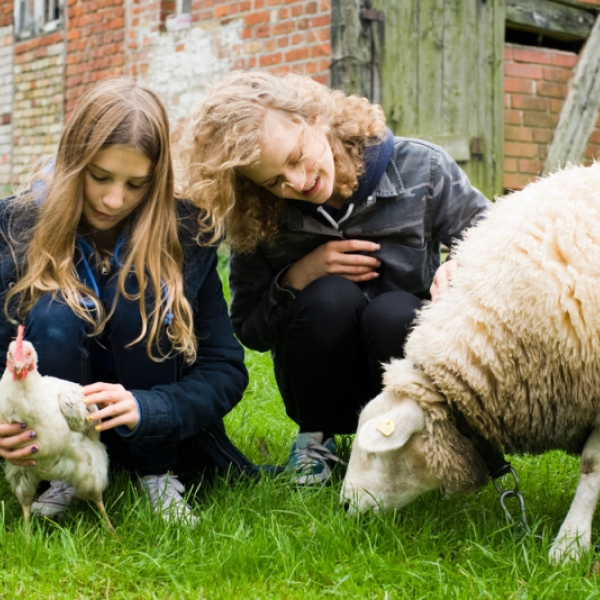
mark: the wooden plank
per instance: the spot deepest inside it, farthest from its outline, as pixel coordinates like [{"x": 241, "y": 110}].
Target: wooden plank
[
  {"x": 400, "y": 67},
  {"x": 549, "y": 18},
  {"x": 580, "y": 110}
]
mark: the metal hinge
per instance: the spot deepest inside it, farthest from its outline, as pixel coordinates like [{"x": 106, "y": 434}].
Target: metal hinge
[{"x": 371, "y": 14}]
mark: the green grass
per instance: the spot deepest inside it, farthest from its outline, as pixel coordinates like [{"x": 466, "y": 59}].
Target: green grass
[{"x": 269, "y": 540}]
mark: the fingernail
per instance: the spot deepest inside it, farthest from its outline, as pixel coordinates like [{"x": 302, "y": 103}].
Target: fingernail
[
  {"x": 98, "y": 428},
  {"x": 32, "y": 434},
  {"x": 34, "y": 449},
  {"x": 22, "y": 425},
  {"x": 89, "y": 418}
]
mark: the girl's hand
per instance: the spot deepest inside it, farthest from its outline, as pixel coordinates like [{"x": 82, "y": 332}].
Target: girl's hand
[
  {"x": 342, "y": 258},
  {"x": 116, "y": 406},
  {"x": 441, "y": 279},
  {"x": 15, "y": 444}
]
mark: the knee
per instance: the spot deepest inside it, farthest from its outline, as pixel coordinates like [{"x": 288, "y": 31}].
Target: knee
[
  {"x": 331, "y": 297},
  {"x": 390, "y": 313}
]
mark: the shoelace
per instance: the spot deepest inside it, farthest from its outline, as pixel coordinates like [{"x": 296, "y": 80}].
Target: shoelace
[
  {"x": 166, "y": 490},
  {"x": 314, "y": 451}
]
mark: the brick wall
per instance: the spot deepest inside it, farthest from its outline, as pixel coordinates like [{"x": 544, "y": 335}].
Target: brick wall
[
  {"x": 280, "y": 35},
  {"x": 6, "y": 100},
  {"x": 38, "y": 100},
  {"x": 95, "y": 45},
  {"x": 535, "y": 86}
]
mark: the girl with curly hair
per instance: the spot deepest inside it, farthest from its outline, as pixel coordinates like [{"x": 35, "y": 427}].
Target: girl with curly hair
[
  {"x": 103, "y": 265},
  {"x": 335, "y": 227}
]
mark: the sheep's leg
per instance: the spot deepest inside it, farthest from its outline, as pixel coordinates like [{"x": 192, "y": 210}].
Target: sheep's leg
[
  {"x": 100, "y": 504},
  {"x": 575, "y": 534}
]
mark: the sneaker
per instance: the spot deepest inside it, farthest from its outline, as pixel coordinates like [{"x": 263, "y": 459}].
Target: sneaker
[
  {"x": 311, "y": 459},
  {"x": 165, "y": 493},
  {"x": 55, "y": 501}
]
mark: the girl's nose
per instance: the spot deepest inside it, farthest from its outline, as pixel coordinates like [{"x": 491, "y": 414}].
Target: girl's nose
[
  {"x": 296, "y": 179},
  {"x": 114, "y": 197}
]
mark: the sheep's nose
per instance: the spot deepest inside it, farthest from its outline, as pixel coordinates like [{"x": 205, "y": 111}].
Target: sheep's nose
[{"x": 346, "y": 506}]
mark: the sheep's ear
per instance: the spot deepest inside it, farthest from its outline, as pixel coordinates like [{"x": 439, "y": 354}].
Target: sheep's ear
[{"x": 391, "y": 430}]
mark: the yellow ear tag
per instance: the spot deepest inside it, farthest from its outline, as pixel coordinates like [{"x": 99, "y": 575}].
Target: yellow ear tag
[{"x": 386, "y": 427}]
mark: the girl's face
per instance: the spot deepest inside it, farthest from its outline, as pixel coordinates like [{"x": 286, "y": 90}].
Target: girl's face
[
  {"x": 115, "y": 183},
  {"x": 295, "y": 163}
]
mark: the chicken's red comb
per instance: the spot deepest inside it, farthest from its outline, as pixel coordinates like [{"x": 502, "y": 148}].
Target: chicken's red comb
[{"x": 19, "y": 348}]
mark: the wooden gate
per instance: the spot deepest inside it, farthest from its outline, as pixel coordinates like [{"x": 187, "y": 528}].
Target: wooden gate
[
  {"x": 436, "y": 66},
  {"x": 442, "y": 80}
]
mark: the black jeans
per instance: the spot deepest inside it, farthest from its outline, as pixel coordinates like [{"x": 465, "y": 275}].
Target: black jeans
[{"x": 328, "y": 364}]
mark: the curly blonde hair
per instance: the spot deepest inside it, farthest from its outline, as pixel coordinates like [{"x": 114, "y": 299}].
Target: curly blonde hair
[
  {"x": 223, "y": 136},
  {"x": 115, "y": 112}
]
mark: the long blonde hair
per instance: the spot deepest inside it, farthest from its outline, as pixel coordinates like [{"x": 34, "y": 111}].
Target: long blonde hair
[
  {"x": 115, "y": 112},
  {"x": 223, "y": 136}
]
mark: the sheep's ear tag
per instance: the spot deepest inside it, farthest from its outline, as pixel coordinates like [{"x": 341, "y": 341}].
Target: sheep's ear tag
[{"x": 386, "y": 427}]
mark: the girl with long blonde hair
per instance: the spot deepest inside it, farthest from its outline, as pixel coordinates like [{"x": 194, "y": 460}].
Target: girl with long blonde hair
[
  {"x": 335, "y": 227},
  {"x": 103, "y": 266}
]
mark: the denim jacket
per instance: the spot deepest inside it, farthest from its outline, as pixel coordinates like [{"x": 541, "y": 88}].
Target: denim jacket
[
  {"x": 176, "y": 400},
  {"x": 421, "y": 200}
]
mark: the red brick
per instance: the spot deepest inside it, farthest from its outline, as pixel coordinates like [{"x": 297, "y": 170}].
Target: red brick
[
  {"x": 542, "y": 136},
  {"x": 564, "y": 59},
  {"x": 527, "y": 55},
  {"x": 552, "y": 90},
  {"x": 520, "y": 149},
  {"x": 256, "y": 18},
  {"x": 539, "y": 119},
  {"x": 271, "y": 59},
  {"x": 525, "y": 102},
  {"x": 511, "y": 165},
  {"x": 523, "y": 86},
  {"x": 519, "y": 134},
  {"x": 262, "y": 31},
  {"x": 516, "y": 181},
  {"x": 556, "y": 104},
  {"x": 298, "y": 54},
  {"x": 321, "y": 50},
  {"x": 284, "y": 28},
  {"x": 528, "y": 71},
  {"x": 530, "y": 166},
  {"x": 556, "y": 74}
]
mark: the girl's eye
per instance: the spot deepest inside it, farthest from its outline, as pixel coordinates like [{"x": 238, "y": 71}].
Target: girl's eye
[
  {"x": 295, "y": 162},
  {"x": 134, "y": 186},
  {"x": 98, "y": 178}
]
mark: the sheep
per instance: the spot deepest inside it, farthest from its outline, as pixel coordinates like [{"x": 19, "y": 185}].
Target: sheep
[{"x": 510, "y": 354}]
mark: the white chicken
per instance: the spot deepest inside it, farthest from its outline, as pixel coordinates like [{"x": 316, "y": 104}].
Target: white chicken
[{"x": 69, "y": 447}]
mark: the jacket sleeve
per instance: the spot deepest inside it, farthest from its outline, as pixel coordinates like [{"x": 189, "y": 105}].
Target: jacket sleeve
[
  {"x": 210, "y": 387},
  {"x": 456, "y": 204},
  {"x": 258, "y": 303}
]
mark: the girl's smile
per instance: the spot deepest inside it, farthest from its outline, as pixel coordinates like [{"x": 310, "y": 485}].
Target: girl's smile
[{"x": 295, "y": 162}]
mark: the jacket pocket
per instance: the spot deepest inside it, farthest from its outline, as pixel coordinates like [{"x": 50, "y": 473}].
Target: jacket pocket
[{"x": 403, "y": 268}]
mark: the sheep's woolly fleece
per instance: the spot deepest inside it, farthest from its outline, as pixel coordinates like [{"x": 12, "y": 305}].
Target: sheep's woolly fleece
[{"x": 515, "y": 342}]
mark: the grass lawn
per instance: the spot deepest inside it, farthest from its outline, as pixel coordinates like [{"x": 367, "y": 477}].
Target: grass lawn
[{"x": 268, "y": 539}]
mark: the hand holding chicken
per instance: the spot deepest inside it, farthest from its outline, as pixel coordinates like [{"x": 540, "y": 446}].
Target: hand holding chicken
[{"x": 69, "y": 446}]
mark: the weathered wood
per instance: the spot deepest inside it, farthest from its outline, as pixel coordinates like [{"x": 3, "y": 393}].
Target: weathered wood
[
  {"x": 550, "y": 18},
  {"x": 356, "y": 40},
  {"x": 580, "y": 110},
  {"x": 443, "y": 80}
]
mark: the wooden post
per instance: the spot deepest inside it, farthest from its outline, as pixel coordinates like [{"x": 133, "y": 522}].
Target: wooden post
[
  {"x": 580, "y": 110},
  {"x": 356, "y": 32}
]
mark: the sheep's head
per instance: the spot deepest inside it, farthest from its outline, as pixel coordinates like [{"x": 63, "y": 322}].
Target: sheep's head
[
  {"x": 407, "y": 444},
  {"x": 388, "y": 468},
  {"x": 21, "y": 357}
]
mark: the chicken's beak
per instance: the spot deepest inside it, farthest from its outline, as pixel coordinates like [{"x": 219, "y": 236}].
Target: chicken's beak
[{"x": 19, "y": 371}]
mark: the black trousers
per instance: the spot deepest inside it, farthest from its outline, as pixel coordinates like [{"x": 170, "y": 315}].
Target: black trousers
[{"x": 329, "y": 362}]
